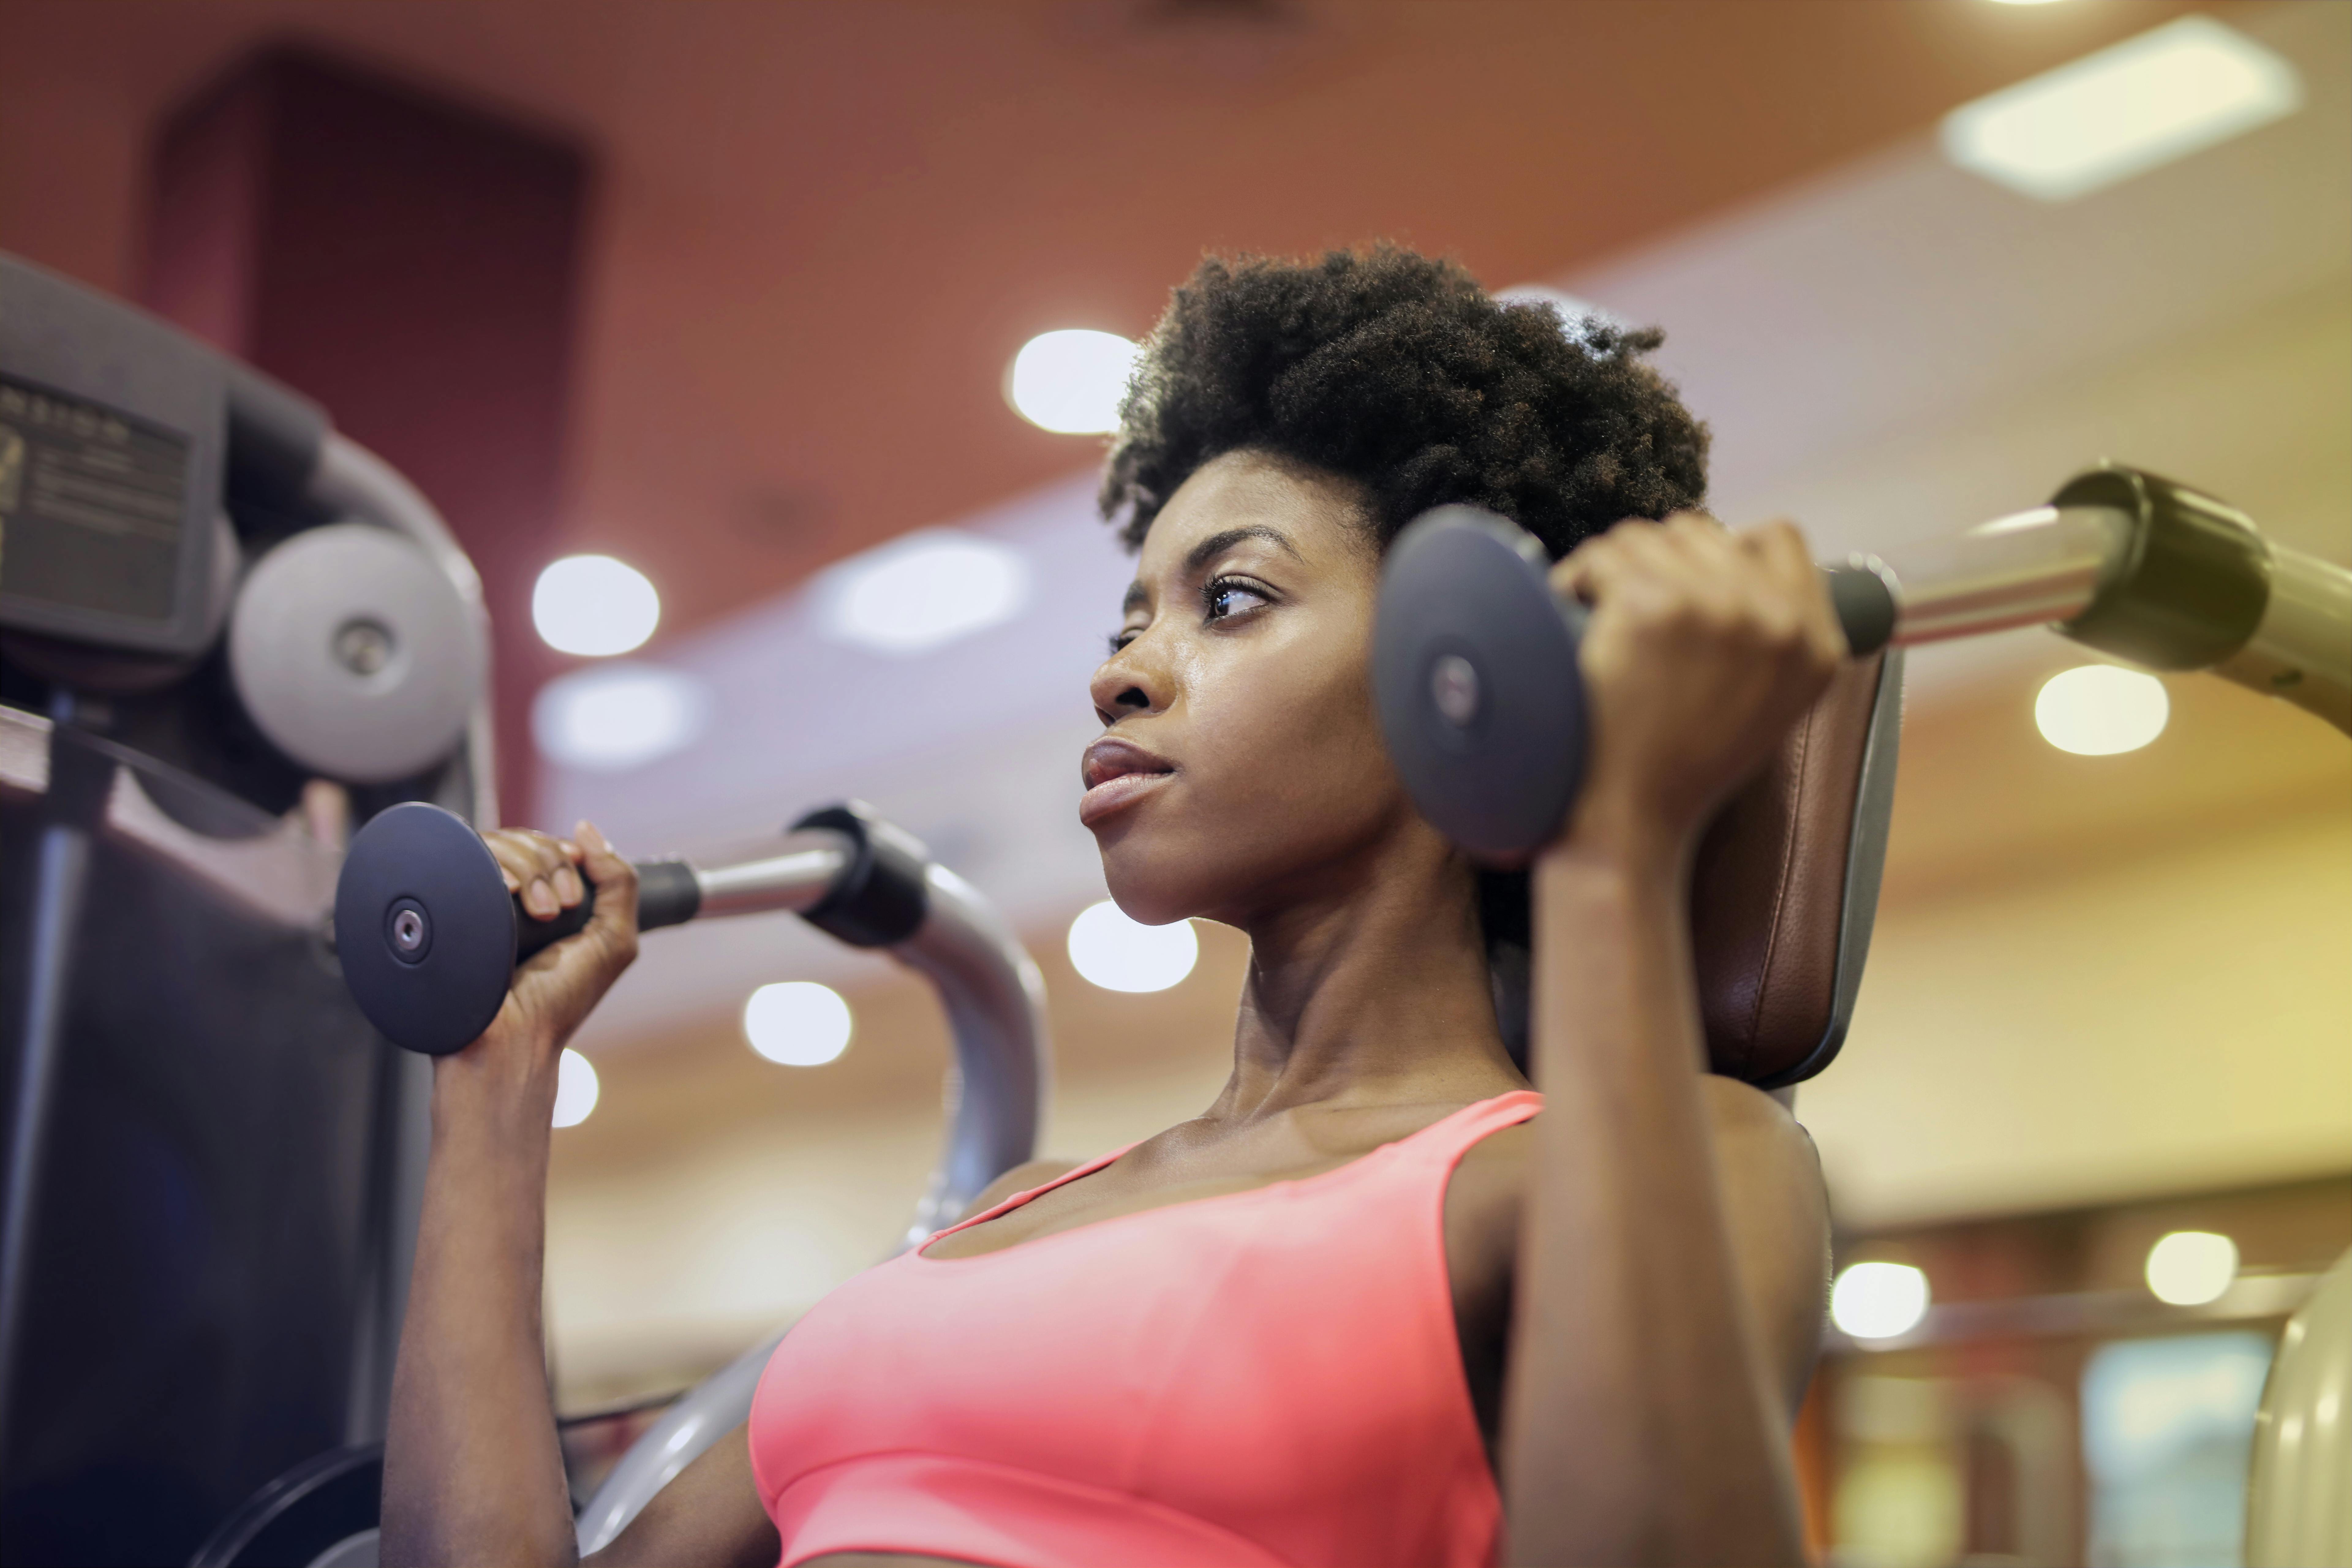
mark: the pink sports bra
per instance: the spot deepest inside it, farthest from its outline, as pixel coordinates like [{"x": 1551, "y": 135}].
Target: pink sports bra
[{"x": 1262, "y": 1378}]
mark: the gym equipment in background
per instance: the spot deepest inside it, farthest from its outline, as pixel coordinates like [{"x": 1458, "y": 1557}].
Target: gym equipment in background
[
  {"x": 419, "y": 880},
  {"x": 212, "y": 1162},
  {"x": 428, "y": 938},
  {"x": 1475, "y": 658},
  {"x": 1475, "y": 670},
  {"x": 228, "y": 630},
  {"x": 2298, "y": 1508}
]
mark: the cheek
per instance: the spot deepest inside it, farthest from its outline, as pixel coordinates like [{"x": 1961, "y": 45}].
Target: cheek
[{"x": 1285, "y": 770}]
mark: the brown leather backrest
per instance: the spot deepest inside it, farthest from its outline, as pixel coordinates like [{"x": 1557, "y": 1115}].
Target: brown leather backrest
[{"x": 1785, "y": 886}]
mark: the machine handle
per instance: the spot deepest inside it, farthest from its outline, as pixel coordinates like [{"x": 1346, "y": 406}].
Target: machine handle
[
  {"x": 1865, "y": 608},
  {"x": 668, "y": 895}
]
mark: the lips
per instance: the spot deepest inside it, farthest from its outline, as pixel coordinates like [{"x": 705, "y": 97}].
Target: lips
[{"x": 1118, "y": 774}]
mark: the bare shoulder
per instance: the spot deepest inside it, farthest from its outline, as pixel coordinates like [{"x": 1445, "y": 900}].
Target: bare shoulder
[{"x": 1019, "y": 1179}]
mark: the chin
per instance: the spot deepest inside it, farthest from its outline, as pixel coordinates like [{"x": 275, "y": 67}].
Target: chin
[{"x": 1153, "y": 880}]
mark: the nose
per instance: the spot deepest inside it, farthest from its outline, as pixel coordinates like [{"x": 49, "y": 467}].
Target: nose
[{"x": 1127, "y": 684}]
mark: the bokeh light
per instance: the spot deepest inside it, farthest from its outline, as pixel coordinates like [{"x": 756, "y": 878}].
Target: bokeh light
[
  {"x": 2190, "y": 1267},
  {"x": 575, "y": 1088},
  {"x": 1878, "y": 1300},
  {"x": 611, "y": 717},
  {"x": 923, "y": 592},
  {"x": 2099, "y": 709},
  {"x": 2126, "y": 109},
  {"x": 1071, "y": 382},
  {"x": 596, "y": 605},
  {"x": 1119, "y": 955},
  {"x": 797, "y": 1023}
]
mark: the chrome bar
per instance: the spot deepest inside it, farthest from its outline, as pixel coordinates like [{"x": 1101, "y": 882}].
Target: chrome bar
[
  {"x": 2035, "y": 568},
  {"x": 795, "y": 874}
]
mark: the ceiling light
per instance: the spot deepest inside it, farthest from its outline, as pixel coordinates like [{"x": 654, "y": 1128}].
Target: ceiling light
[
  {"x": 594, "y": 604},
  {"x": 920, "y": 592},
  {"x": 1878, "y": 1300},
  {"x": 2190, "y": 1267},
  {"x": 1119, "y": 955},
  {"x": 1072, "y": 381},
  {"x": 2098, "y": 709},
  {"x": 2171, "y": 91},
  {"x": 611, "y": 717},
  {"x": 575, "y": 1088},
  {"x": 798, "y": 1023}
]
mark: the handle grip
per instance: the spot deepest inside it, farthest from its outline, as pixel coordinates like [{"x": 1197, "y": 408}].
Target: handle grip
[
  {"x": 668, "y": 895},
  {"x": 1864, "y": 606}
]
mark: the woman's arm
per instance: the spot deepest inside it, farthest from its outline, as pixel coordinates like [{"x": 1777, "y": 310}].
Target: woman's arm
[
  {"x": 1643, "y": 1421},
  {"x": 472, "y": 1470},
  {"x": 1769, "y": 1181}
]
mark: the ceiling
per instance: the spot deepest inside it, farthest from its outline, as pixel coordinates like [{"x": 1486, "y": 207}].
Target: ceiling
[{"x": 822, "y": 230}]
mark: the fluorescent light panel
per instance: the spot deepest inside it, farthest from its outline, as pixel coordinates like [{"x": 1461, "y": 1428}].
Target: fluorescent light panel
[{"x": 2176, "y": 89}]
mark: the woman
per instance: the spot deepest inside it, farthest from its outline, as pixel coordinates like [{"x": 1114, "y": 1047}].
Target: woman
[{"x": 1320, "y": 1322}]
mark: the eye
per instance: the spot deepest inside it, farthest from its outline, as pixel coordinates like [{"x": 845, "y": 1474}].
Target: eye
[
  {"x": 1225, "y": 597},
  {"x": 1120, "y": 638}
]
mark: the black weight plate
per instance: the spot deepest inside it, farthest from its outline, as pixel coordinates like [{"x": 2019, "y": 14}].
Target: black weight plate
[
  {"x": 433, "y": 981},
  {"x": 1474, "y": 664}
]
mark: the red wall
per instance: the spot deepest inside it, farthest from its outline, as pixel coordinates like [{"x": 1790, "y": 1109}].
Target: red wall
[{"x": 414, "y": 266}]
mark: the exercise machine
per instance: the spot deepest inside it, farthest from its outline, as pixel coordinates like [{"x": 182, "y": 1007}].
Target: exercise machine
[
  {"x": 228, "y": 634},
  {"x": 224, "y": 630},
  {"x": 427, "y": 937},
  {"x": 1474, "y": 666}
]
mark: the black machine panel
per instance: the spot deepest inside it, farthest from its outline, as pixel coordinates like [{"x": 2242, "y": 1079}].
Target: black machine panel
[{"x": 113, "y": 427}]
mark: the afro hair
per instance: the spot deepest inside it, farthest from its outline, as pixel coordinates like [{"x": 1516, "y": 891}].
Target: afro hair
[{"x": 1401, "y": 373}]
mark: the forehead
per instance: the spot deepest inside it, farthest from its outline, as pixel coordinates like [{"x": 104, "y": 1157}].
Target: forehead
[{"x": 1321, "y": 515}]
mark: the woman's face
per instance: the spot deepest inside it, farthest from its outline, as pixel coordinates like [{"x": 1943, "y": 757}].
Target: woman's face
[{"x": 1241, "y": 766}]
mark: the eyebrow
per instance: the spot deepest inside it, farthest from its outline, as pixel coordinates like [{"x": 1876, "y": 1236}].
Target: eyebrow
[{"x": 1209, "y": 550}]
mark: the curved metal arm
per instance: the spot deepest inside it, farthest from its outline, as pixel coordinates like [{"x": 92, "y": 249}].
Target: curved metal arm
[
  {"x": 994, "y": 999},
  {"x": 995, "y": 1002}
]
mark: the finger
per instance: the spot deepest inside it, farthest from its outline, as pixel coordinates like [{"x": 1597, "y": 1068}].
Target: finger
[
  {"x": 615, "y": 880},
  {"x": 1784, "y": 555},
  {"x": 531, "y": 863},
  {"x": 1587, "y": 571}
]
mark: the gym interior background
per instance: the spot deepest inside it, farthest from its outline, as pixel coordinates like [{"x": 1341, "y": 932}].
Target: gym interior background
[{"x": 733, "y": 293}]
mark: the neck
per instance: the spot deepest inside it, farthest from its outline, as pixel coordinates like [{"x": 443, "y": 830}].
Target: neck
[{"x": 1369, "y": 990}]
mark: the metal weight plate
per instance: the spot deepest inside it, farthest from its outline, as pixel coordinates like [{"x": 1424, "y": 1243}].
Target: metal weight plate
[
  {"x": 1474, "y": 666},
  {"x": 425, "y": 928},
  {"x": 354, "y": 654}
]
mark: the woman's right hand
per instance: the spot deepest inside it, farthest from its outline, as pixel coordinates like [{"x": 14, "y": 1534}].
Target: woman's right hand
[{"x": 557, "y": 986}]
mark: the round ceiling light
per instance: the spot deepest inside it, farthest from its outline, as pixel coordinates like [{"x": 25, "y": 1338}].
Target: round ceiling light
[
  {"x": 2099, "y": 709},
  {"x": 612, "y": 717},
  {"x": 575, "y": 1088},
  {"x": 2190, "y": 1267},
  {"x": 1071, "y": 382},
  {"x": 594, "y": 604},
  {"x": 922, "y": 592},
  {"x": 1878, "y": 1300},
  {"x": 797, "y": 1023},
  {"x": 1119, "y": 954}
]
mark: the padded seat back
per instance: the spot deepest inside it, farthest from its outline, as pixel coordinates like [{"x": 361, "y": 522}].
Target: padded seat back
[{"x": 1784, "y": 888}]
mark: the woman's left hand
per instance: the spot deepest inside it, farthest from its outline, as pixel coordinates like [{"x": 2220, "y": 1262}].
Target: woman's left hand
[{"x": 1703, "y": 647}]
